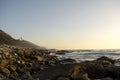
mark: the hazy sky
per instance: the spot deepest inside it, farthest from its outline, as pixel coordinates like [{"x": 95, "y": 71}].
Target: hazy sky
[{"x": 63, "y": 24}]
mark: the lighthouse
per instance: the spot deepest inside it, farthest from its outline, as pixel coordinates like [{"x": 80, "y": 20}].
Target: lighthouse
[{"x": 21, "y": 39}]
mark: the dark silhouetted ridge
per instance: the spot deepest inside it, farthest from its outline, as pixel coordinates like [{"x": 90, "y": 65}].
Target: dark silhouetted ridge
[{"x": 7, "y": 39}]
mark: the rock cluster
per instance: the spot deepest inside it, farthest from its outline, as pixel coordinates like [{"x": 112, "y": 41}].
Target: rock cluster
[
  {"x": 35, "y": 64},
  {"x": 101, "y": 69},
  {"x": 21, "y": 63}
]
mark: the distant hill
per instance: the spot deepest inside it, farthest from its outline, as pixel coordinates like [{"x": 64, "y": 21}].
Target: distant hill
[{"x": 7, "y": 39}]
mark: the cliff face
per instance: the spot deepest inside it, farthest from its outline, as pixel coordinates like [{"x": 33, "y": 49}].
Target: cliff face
[{"x": 7, "y": 39}]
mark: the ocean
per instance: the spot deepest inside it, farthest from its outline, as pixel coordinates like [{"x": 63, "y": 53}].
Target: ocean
[{"x": 83, "y": 55}]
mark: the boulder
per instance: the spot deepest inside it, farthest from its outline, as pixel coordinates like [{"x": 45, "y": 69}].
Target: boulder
[
  {"x": 4, "y": 63},
  {"x": 94, "y": 70},
  {"x": 4, "y": 71},
  {"x": 77, "y": 73},
  {"x": 62, "y": 52},
  {"x": 62, "y": 72},
  {"x": 104, "y": 58},
  {"x": 105, "y": 63},
  {"x": 68, "y": 60},
  {"x": 113, "y": 72}
]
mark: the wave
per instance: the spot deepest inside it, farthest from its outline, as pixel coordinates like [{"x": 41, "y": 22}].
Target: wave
[{"x": 82, "y": 55}]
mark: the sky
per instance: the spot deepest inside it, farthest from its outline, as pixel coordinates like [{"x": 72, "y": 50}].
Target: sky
[{"x": 63, "y": 24}]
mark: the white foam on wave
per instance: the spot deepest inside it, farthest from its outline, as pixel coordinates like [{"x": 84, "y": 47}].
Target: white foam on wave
[{"x": 91, "y": 55}]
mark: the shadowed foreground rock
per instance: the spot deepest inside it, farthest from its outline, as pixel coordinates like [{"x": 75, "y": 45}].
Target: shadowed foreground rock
[
  {"x": 93, "y": 70},
  {"x": 114, "y": 72},
  {"x": 74, "y": 71}
]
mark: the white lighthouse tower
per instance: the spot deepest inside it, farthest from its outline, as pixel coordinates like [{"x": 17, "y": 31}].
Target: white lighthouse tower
[{"x": 21, "y": 39}]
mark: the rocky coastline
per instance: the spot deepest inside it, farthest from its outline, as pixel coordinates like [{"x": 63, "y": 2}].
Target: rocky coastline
[{"x": 18, "y": 63}]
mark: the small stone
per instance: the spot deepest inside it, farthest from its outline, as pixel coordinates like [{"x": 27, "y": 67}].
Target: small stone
[
  {"x": 12, "y": 68},
  {"x": 40, "y": 58},
  {"x": 4, "y": 63}
]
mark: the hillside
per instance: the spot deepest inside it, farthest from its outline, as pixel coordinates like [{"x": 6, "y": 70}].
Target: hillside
[{"x": 7, "y": 39}]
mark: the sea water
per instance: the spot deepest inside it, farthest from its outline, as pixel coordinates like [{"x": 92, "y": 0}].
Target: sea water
[{"x": 83, "y": 55}]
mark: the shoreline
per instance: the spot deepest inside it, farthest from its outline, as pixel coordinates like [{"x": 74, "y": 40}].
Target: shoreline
[{"x": 37, "y": 64}]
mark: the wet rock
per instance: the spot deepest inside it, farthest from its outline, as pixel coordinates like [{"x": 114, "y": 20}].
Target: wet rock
[
  {"x": 117, "y": 62},
  {"x": 105, "y": 63},
  {"x": 4, "y": 71},
  {"x": 104, "y": 58},
  {"x": 68, "y": 60},
  {"x": 62, "y": 52}
]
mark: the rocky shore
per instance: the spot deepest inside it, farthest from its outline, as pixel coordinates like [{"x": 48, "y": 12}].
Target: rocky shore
[
  {"x": 20, "y": 63},
  {"x": 38, "y": 64},
  {"x": 101, "y": 69}
]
